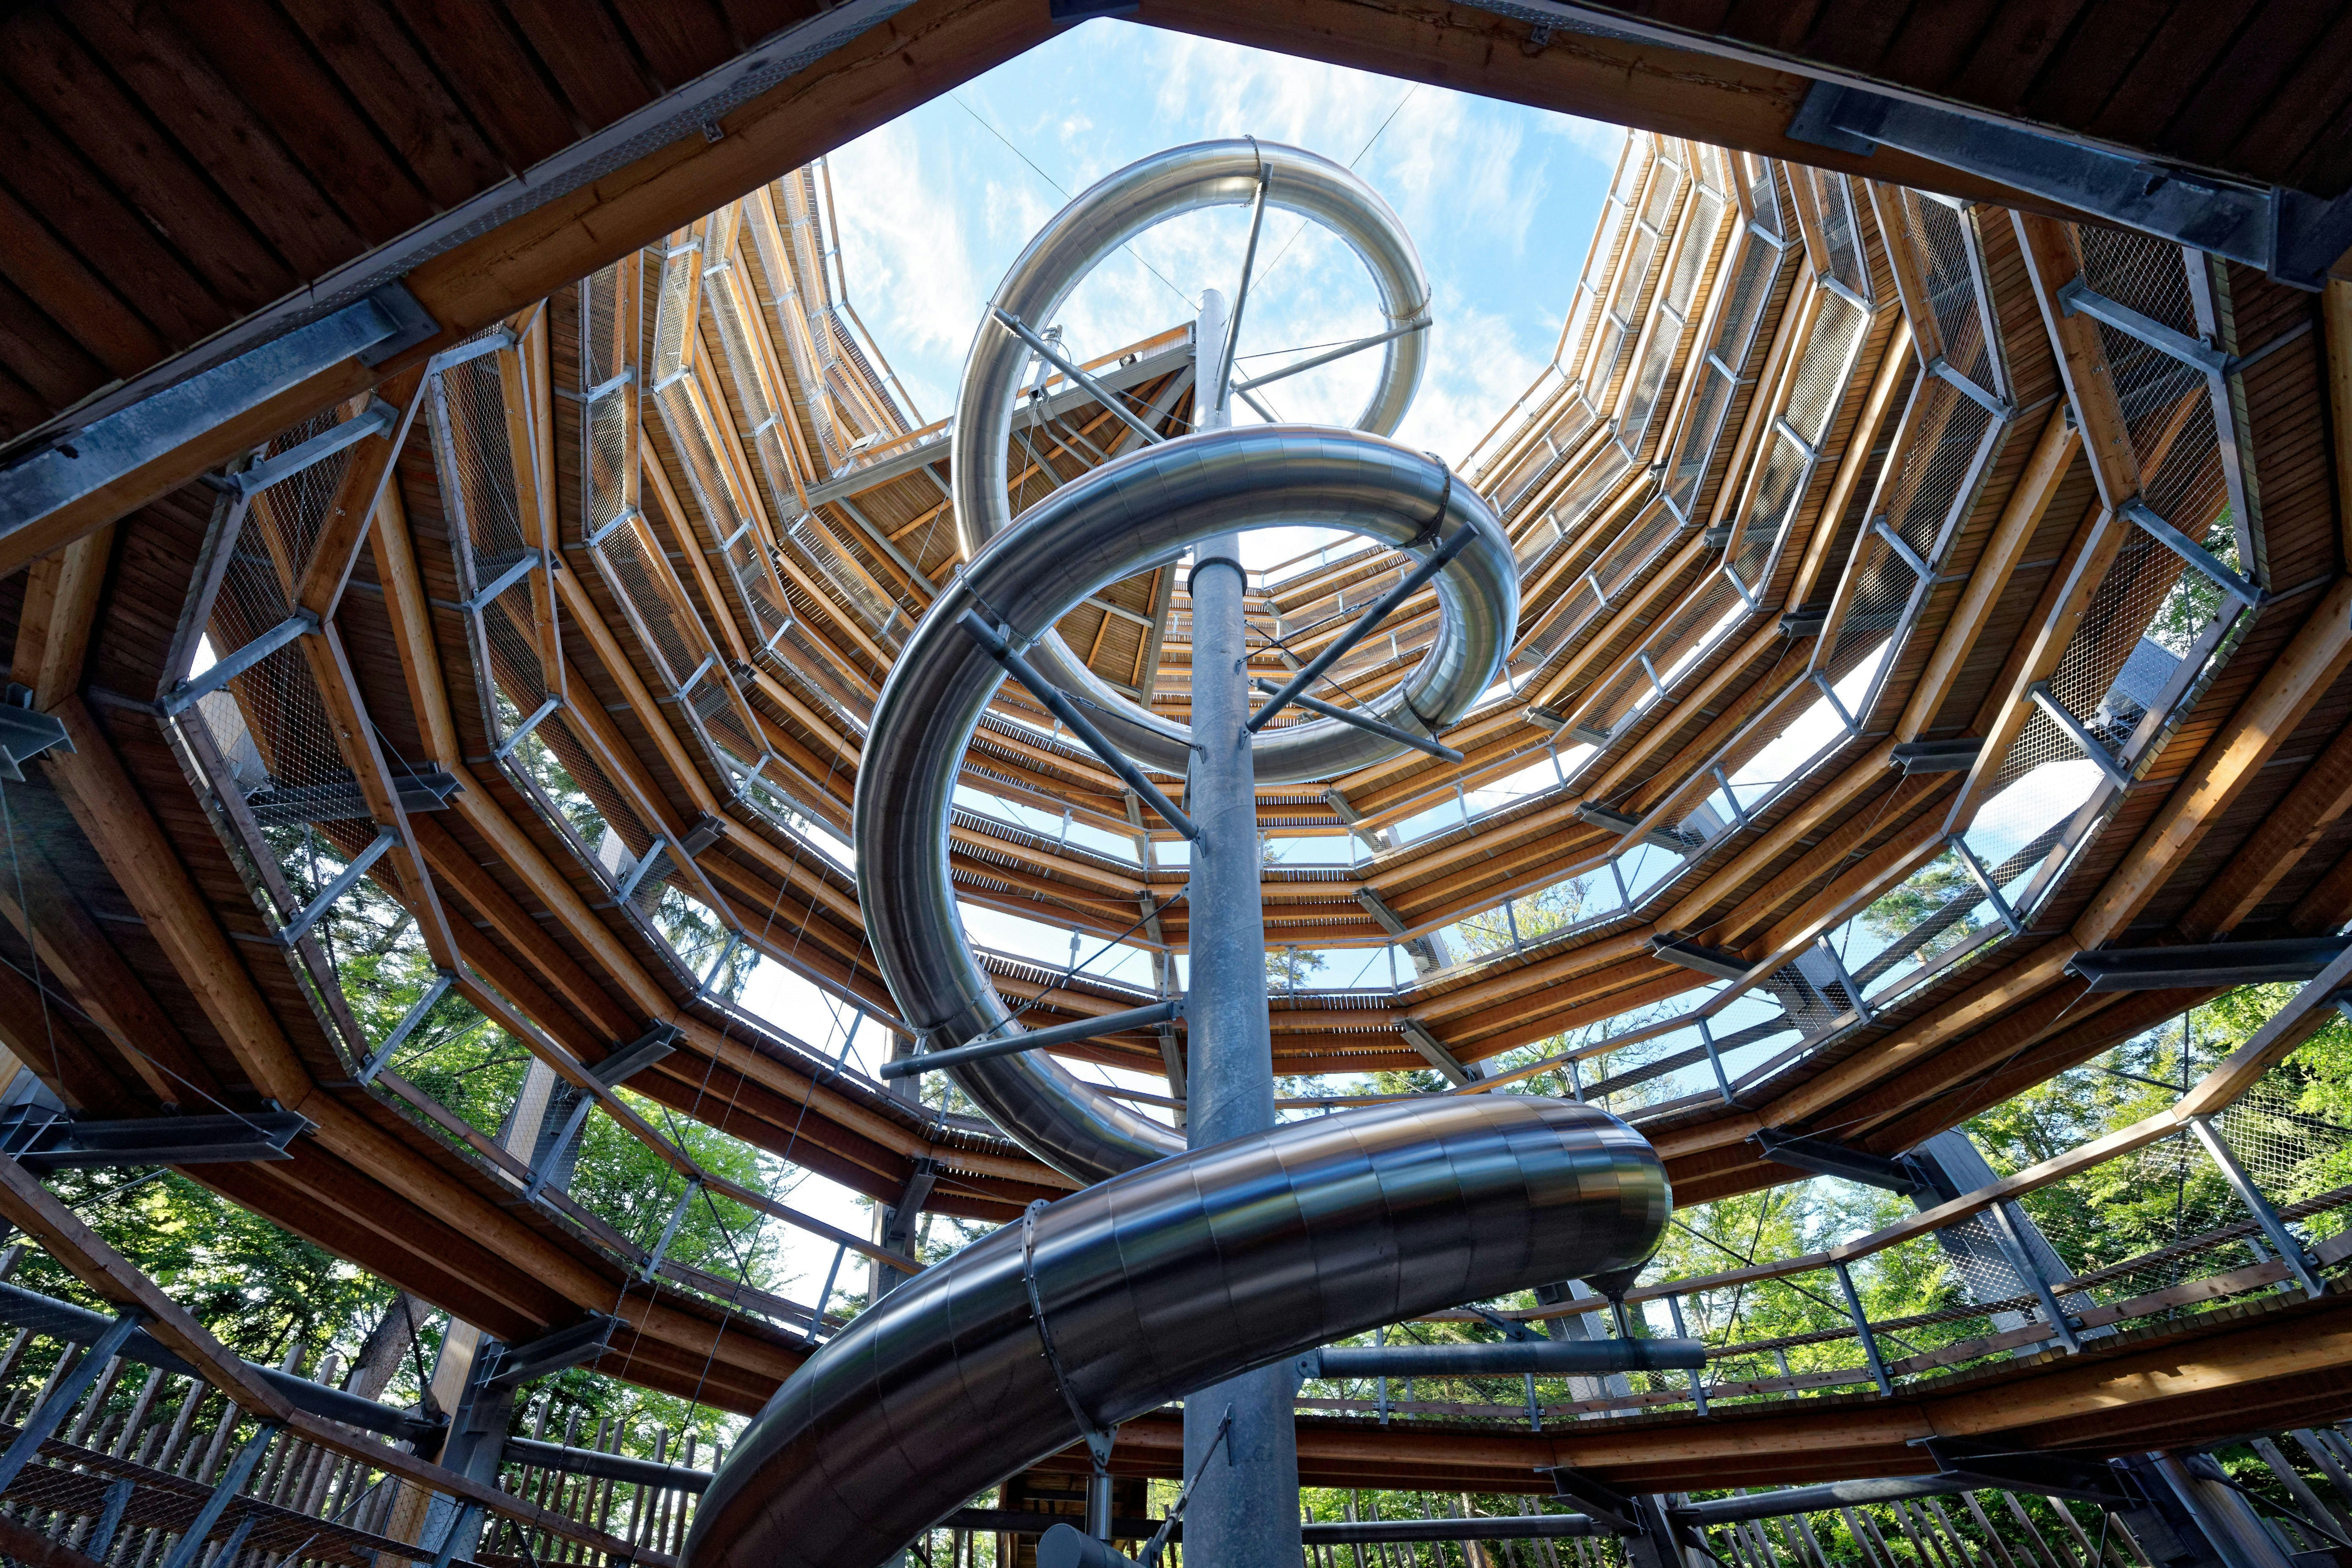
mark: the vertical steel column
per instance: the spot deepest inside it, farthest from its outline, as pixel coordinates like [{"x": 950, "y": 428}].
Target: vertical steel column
[{"x": 1245, "y": 1514}]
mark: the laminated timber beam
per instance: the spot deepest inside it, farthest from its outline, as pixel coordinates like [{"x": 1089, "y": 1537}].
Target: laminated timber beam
[
  {"x": 866, "y": 78},
  {"x": 2287, "y": 835},
  {"x": 71, "y": 946},
  {"x": 2317, "y": 653}
]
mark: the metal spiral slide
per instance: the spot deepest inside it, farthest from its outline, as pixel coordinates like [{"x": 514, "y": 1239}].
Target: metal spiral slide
[{"x": 1176, "y": 1269}]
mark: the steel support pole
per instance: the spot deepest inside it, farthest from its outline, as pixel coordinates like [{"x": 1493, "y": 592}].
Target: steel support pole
[{"x": 1245, "y": 1512}]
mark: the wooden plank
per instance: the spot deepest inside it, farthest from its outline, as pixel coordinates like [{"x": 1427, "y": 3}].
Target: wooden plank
[
  {"x": 583, "y": 51},
  {"x": 274, "y": 71},
  {"x": 44, "y": 353},
  {"x": 475, "y": 49},
  {"x": 2288, "y": 833},
  {"x": 223, "y": 131},
  {"x": 678, "y": 42},
  {"x": 83, "y": 100},
  {"x": 28, "y": 1545},
  {"x": 70, "y": 290}
]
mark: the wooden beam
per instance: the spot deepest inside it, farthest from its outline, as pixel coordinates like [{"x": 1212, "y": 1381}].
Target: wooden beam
[
  {"x": 2335, "y": 311},
  {"x": 410, "y": 609},
  {"x": 104, "y": 985},
  {"x": 1854, "y": 461},
  {"x": 88, "y": 1258},
  {"x": 2287, "y": 833},
  {"x": 2082, "y": 365},
  {"x": 2295, "y": 680},
  {"x": 62, "y": 594},
  {"x": 113, "y": 817}
]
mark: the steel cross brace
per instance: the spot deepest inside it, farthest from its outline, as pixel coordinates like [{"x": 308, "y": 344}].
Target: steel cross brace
[
  {"x": 1000, "y": 648},
  {"x": 1371, "y": 618}
]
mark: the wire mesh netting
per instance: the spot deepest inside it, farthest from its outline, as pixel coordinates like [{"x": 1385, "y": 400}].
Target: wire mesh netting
[
  {"x": 2125, "y": 652},
  {"x": 1948, "y": 251},
  {"x": 1780, "y": 486},
  {"x": 1932, "y": 917},
  {"x": 1633, "y": 281},
  {"x": 1883, "y": 596},
  {"x": 293, "y": 512},
  {"x": 2189, "y": 488},
  {"x": 138, "y": 1455},
  {"x": 1826, "y": 369},
  {"x": 666, "y": 629},
  {"x": 2136, "y": 270},
  {"x": 608, "y": 436},
  {"x": 1670, "y": 320},
  {"x": 1926, "y": 496},
  {"x": 2159, "y": 396},
  {"x": 272, "y": 728},
  {"x": 1841, "y": 228},
  {"x": 1728, "y": 346}
]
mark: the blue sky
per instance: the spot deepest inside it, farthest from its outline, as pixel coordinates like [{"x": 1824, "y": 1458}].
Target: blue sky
[{"x": 1502, "y": 201}]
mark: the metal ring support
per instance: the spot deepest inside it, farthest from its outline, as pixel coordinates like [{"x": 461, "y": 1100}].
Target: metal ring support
[
  {"x": 1203, "y": 563},
  {"x": 1091, "y": 532},
  {"x": 1104, "y": 217}
]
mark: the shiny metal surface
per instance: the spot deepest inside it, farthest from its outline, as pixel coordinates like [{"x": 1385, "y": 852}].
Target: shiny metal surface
[
  {"x": 1091, "y": 532},
  {"x": 1244, "y": 1511},
  {"x": 1164, "y": 1280},
  {"x": 1181, "y": 179}
]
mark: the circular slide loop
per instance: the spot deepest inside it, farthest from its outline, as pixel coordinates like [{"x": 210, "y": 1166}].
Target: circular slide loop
[
  {"x": 1123, "y": 205},
  {"x": 1091, "y": 532}
]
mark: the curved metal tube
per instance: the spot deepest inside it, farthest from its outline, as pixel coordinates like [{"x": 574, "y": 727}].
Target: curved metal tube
[
  {"x": 1091, "y": 532},
  {"x": 1163, "y": 1281},
  {"x": 1115, "y": 209}
]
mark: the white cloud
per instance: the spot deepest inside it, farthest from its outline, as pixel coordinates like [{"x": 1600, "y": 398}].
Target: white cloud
[{"x": 906, "y": 257}]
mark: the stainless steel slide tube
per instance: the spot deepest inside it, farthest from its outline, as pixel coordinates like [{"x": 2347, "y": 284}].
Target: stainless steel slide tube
[
  {"x": 1094, "y": 225},
  {"x": 1165, "y": 1280},
  {"x": 1094, "y": 531}
]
